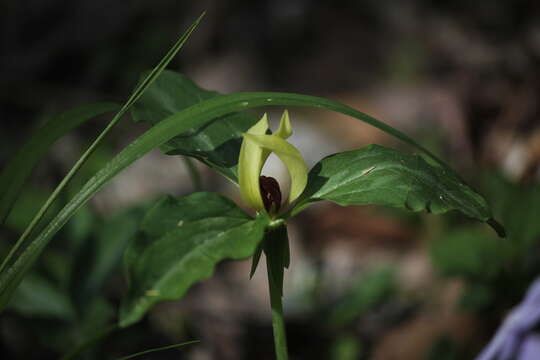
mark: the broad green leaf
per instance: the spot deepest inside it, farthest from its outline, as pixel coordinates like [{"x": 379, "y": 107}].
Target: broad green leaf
[
  {"x": 180, "y": 242},
  {"x": 194, "y": 116},
  {"x": 216, "y": 143},
  {"x": 381, "y": 176},
  {"x": 15, "y": 174}
]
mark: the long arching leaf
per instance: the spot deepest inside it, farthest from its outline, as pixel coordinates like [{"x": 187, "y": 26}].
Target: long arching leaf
[{"x": 165, "y": 130}]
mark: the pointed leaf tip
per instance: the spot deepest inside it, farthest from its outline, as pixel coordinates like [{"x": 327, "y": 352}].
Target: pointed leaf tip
[
  {"x": 498, "y": 227},
  {"x": 285, "y": 129}
]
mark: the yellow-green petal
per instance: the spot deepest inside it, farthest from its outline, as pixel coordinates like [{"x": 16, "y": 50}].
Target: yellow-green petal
[
  {"x": 250, "y": 165},
  {"x": 285, "y": 129},
  {"x": 291, "y": 157}
]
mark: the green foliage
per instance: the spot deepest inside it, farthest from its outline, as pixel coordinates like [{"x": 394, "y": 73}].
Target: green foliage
[
  {"x": 478, "y": 296},
  {"x": 495, "y": 272},
  {"x": 216, "y": 143},
  {"x": 101, "y": 254},
  {"x": 13, "y": 270},
  {"x": 276, "y": 249},
  {"x": 382, "y": 176},
  {"x": 40, "y": 297},
  {"x": 194, "y": 116},
  {"x": 180, "y": 242},
  {"x": 367, "y": 293},
  {"x": 446, "y": 349},
  {"x": 470, "y": 252},
  {"x": 347, "y": 348},
  {"x": 15, "y": 174},
  {"x": 518, "y": 206},
  {"x": 28, "y": 203}
]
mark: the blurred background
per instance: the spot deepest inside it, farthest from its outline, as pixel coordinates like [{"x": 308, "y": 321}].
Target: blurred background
[{"x": 462, "y": 77}]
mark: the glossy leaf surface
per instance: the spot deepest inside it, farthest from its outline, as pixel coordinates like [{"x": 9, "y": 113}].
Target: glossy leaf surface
[
  {"x": 382, "y": 176},
  {"x": 180, "y": 242}
]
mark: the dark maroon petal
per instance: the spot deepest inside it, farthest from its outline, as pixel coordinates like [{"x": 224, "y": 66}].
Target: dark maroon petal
[{"x": 270, "y": 193}]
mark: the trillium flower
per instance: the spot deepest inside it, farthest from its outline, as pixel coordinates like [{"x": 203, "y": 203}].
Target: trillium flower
[{"x": 262, "y": 193}]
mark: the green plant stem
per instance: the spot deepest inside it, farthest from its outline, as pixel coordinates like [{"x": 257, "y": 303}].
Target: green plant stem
[
  {"x": 278, "y": 322},
  {"x": 276, "y": 248}
]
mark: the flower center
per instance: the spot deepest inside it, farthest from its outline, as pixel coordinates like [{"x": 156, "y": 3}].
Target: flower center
[{"x": 270, "y": 193}]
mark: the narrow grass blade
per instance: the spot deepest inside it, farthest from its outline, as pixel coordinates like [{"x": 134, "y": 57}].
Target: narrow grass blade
[
  {"x": 168, "y": 347},
  {"x": 162, "y": 132},
  {"x": 15, "y": 174},
  {"x": 137, "y": 93},
  {"x": 76, "y": 352}
]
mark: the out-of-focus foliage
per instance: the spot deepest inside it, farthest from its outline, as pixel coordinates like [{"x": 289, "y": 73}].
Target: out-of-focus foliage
[
  {"x": 39, "y": 297},
  {"x": 471, "y": 253},
  {"x": 369, "y": 291}
]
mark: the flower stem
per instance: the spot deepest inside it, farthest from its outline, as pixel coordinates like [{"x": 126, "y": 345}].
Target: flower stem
[
  {"x": 278, "y": 324},
  {"x": 276, "y": 248}
]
